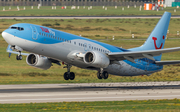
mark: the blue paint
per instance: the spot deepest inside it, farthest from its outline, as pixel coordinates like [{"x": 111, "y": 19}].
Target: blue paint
[{"x": 45, "y": 35}]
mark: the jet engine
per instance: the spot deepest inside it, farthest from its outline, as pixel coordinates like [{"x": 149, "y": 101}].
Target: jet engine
[
  {"x": 38, "y": 61},
  {"x": 96, "y": 59}
]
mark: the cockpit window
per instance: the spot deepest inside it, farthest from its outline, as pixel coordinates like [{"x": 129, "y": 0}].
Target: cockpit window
[{"x": 18, "y": 28}]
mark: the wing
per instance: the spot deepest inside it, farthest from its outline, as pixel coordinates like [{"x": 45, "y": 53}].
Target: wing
[{"x": 131, "y": 55}]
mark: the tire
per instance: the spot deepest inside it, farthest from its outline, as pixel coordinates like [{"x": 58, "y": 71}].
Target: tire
[
  {"x": 20, "y": 57},
  {"x": 17, "y": 57},
  {"x": 99, "y": 75},
  {"x": 105, "y": 75},
  {"x": 72, "y": 76},
  {"x": 66, "y": 76}
]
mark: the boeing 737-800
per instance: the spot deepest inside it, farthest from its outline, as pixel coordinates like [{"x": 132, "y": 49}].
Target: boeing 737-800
[{"x": 47, "y": 46}]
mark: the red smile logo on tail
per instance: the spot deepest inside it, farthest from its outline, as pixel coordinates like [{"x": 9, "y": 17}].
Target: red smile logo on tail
[{"x": 154, "y": 38}]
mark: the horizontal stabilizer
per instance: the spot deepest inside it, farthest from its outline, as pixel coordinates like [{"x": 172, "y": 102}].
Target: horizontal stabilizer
[{"x": 167, "y": 62}]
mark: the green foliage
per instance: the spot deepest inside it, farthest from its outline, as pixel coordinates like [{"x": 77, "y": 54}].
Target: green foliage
[
  {"x": 18, "y": 72},
  {"x": 96, "y": 11},
  {"x": 163, "y": 105},
  {"x": 47, "y": 24},
  {"x": 57, "y": 24}
]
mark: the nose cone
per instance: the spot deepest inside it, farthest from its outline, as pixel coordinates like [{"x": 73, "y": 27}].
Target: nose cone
[
  {"x": 3, "y": 34},
  {"x": 7, "y": 37}
]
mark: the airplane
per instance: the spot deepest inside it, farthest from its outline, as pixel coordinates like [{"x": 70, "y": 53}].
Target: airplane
[{"x": 46, "y": 46}]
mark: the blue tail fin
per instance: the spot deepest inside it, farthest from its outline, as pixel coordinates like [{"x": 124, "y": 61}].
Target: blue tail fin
[{"x": 156, "y": 39}]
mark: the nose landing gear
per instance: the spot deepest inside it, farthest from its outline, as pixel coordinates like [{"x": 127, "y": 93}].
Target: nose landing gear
[{"x": 19, "y": 56}]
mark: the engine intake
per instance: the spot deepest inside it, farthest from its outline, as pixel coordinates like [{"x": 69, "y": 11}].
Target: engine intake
[
  {"x": 96, "y": 59},
  {"x": 38, "y": 61}
]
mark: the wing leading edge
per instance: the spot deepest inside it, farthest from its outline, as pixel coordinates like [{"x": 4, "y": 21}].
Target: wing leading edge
[{"x": 131, "y": 55}]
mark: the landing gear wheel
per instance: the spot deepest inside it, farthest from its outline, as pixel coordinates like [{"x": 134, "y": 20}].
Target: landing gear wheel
[
  {"x": 19, "y": 57},
  {"x": 72, "y": 76},
  {"x": 105, "y": 75},
  {"x": 99, "y": 75},
  {"x": 66, "y": 76}
]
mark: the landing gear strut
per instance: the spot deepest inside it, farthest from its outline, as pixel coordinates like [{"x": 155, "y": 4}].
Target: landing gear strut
[
  {"x": 69, "y": 75},
  {"x": 19, "y": 56},
  {"x": 102, "y": 74}
]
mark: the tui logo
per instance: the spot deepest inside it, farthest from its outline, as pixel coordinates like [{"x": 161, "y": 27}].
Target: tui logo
[{"x": 154, "y": 38}]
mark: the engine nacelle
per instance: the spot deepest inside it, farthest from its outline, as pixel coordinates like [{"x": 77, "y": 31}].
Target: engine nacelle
[
  {"x": 38, "y": 61},
  {"x": 96, "y": 59}
]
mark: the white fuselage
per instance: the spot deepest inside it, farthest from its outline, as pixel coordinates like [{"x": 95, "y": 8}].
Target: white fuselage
[{"x": 44, "y": 44}]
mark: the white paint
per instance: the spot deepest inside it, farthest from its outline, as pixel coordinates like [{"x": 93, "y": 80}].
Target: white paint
[
  {"x": 73, "y": 7},
  {"x": 132, "y": 35},
  {"x": 165, "y": 6},
  {"x": 18, "y": 8},
  {"x": 113, "y": 38},
  {"x": 147, "y": 6},
  {"x": 139, "y": 9}
]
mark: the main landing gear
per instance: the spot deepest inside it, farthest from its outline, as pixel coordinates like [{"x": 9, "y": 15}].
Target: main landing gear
[
  {"x": 19, "y": 56},
  {"x": 102, "y": 74},
  {"x": 69, "y": 75}
]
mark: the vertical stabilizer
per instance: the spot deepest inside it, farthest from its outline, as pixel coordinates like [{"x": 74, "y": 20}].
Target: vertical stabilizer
[{"x": 156, "y": 39}]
